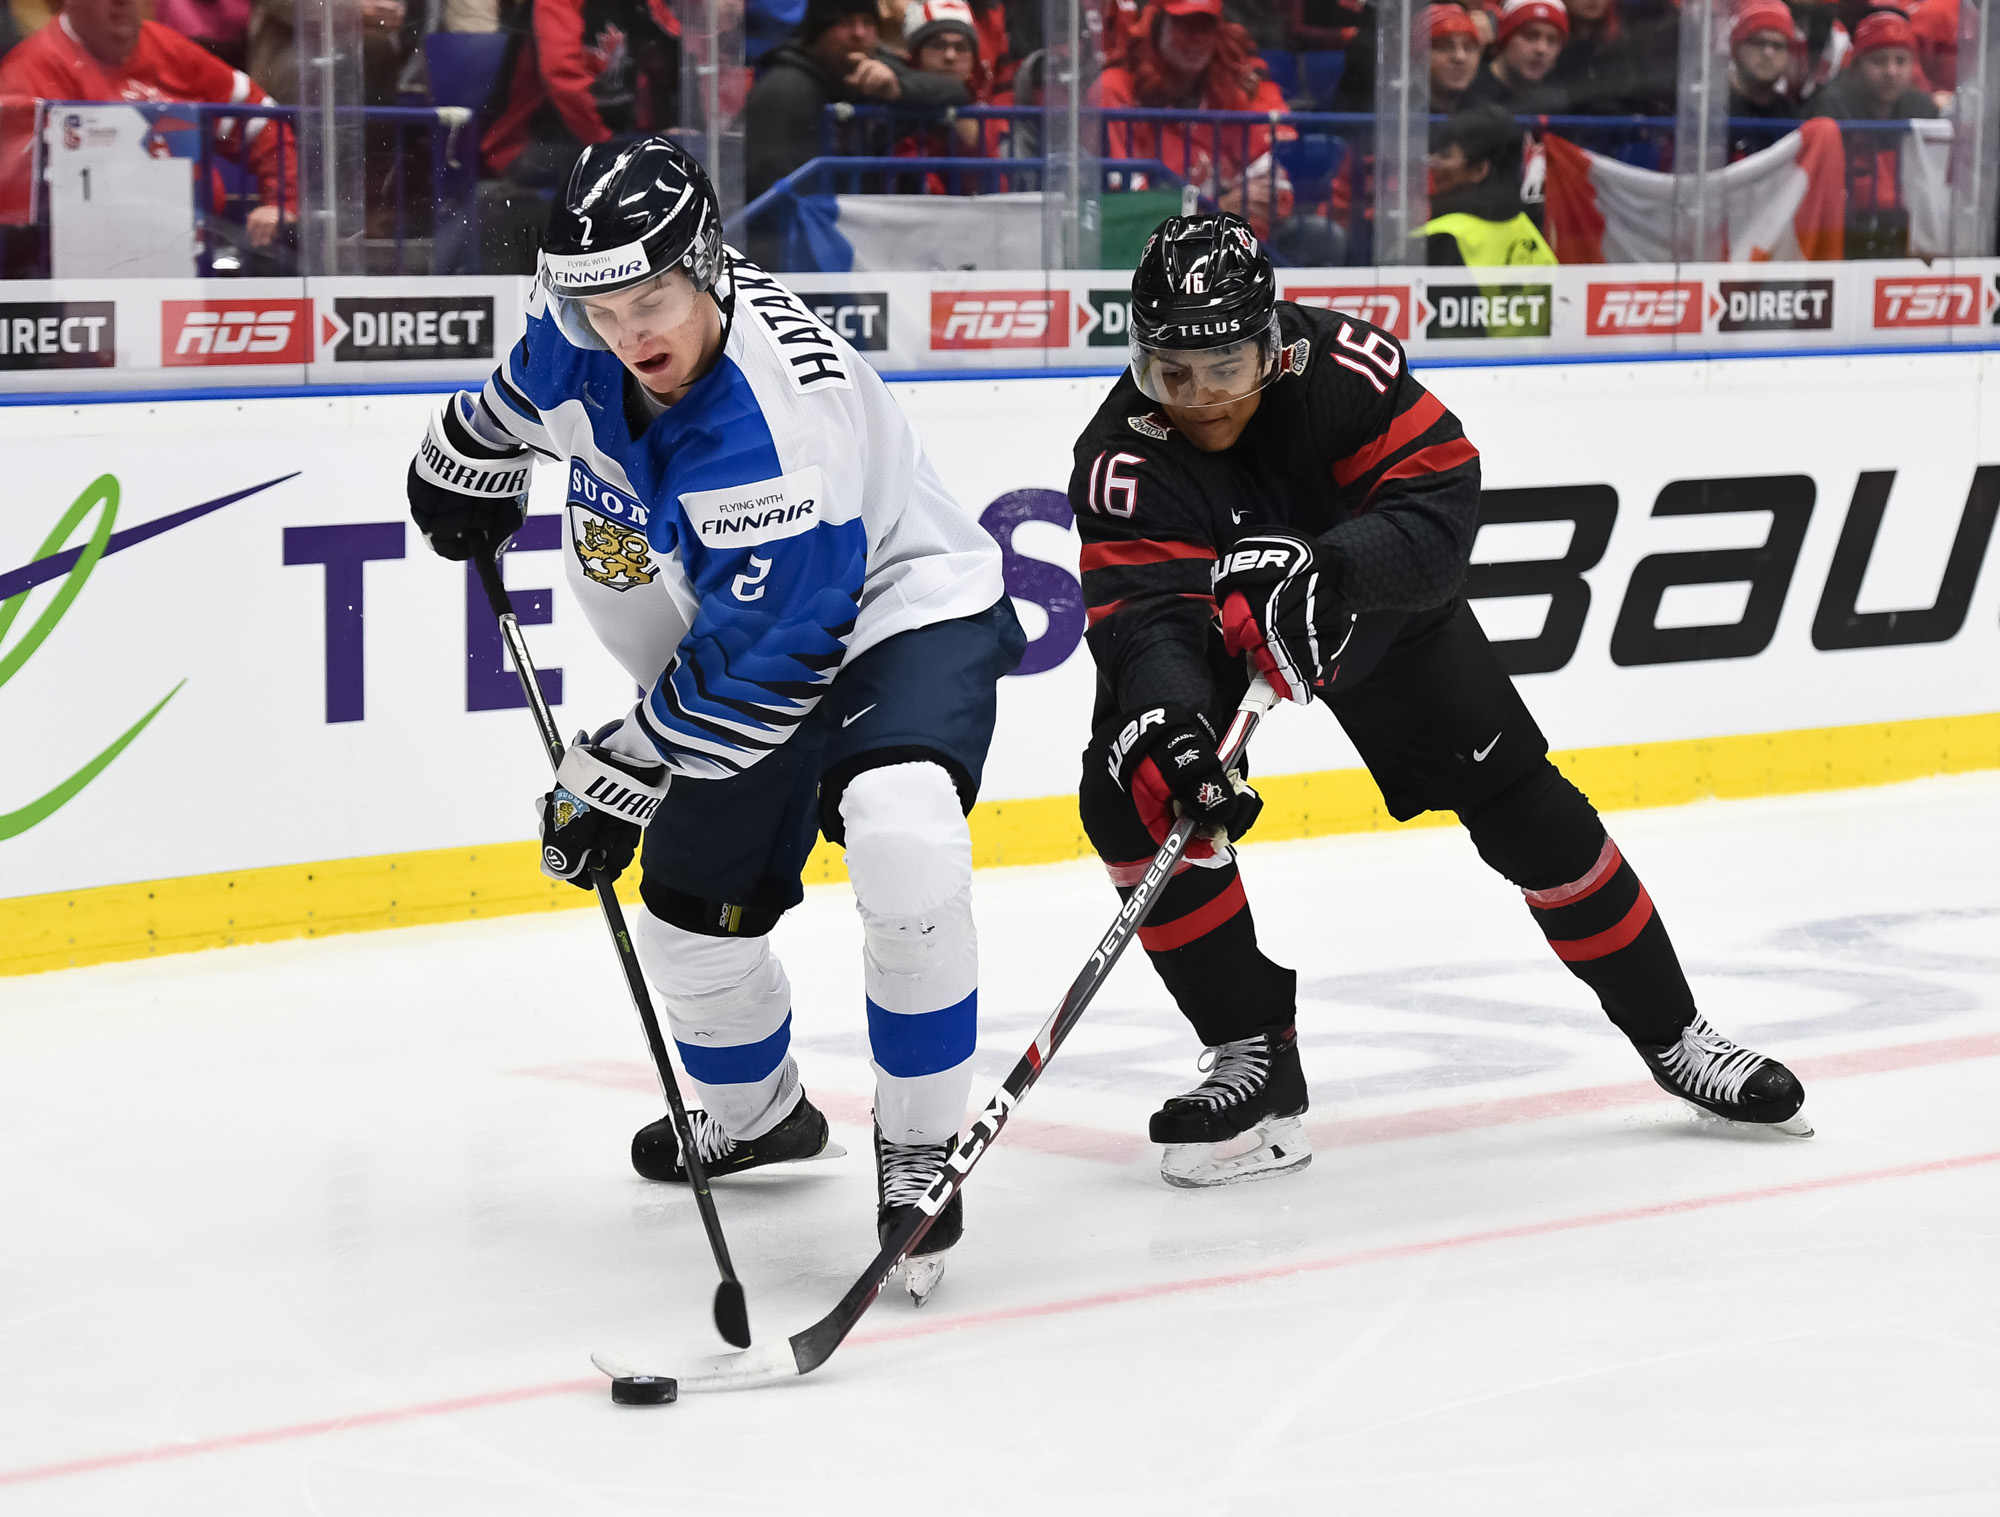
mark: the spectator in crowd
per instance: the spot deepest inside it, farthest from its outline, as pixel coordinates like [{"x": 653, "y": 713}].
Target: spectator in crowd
[
  {"x": 1935, "y": 27},
  {"x": 577, "y": 73},
  {"x": 1760, "y": 61},
  {"x": 272, "y": 51},
  {"x": 103, "y": 50},
  {"x": 944, "y": 40},
  {"x": 1185, "y": 56},
  {"x": 1824, "y": 48},
  {"x": 1596, "y": 75},
  {"x": 1880, "y": 84},
  {"x": 836, "y": 56},
  {"x": 1455, "y": 50},
  {"x": 1477, "y": 219},
  {"x": 1651, "y": 30},
  {"x": 1530, "y": 39},
  {"x": 221, "y": 26}
]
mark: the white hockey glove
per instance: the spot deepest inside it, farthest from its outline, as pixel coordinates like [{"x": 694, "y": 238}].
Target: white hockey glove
[{"x": 593, "y": 818}]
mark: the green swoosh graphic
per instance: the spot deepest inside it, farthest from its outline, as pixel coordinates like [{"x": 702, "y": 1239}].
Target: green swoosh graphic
[
  {"x": 13, "y": 823},
  {"x": 100, "y": 492}
]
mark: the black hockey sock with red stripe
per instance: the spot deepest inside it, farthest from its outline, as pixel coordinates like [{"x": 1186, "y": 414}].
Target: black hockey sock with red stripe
[
  {"x": 1603, "y": 926},
  {"x": 1203, "y": 941},
  {"x": 1545, "y": 837}
]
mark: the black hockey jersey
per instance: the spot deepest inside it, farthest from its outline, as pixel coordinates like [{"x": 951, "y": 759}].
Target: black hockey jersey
[{"x": 1346, "y": 448}]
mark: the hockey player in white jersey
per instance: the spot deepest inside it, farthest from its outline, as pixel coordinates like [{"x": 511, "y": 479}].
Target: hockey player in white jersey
[{"x": 756, "y": 535}]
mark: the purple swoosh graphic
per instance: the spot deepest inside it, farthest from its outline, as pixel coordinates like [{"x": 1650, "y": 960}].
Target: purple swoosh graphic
[{"x": 14, "y": 581}]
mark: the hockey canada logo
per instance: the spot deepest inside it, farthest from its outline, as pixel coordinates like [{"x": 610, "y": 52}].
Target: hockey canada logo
[
  {"x": 198, "y": 333},
  {"x": 1386, "y": 306},
  {"x": 615, "y": 557},
  {"x": 1148, "y": 425},
  {"x": 1930, "y": 302},
  {"x": 987, "y": 319},
  {"x": 1621, "y": 310}
]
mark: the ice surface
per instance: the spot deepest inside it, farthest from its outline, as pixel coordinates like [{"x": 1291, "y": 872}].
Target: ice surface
[{"x": 333, "y": 1227}]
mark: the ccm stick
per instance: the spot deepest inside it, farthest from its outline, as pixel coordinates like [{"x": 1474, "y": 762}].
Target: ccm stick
[
  {"x": 732, "y": 1315},
  {"x": 806, "y": 1351}
]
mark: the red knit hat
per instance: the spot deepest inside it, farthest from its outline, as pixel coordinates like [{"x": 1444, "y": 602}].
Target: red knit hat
[
  {"x": 1763, "y": 16},
  {"x": 1520, "y": 13},
  {"x": 1883, "y": 29},
  {"x": 1449, "y": 21}
]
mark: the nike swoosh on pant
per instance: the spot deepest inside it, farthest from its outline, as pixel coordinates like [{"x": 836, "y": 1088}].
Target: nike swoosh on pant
[
  {"x": 849, "y": 721},
  {"x": 1479, "y": 754}
]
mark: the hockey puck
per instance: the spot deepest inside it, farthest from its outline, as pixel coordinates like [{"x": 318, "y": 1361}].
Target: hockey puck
[{"x": 645, "y": 1390}]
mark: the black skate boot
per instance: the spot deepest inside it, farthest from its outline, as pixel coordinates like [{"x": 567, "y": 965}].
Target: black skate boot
[
  {"x": 656, "y": 1152},
  {"x": 1711, "y": 1073},
  {"x": 903, "y": 1172},
  {"x": 1244, "y": 1121}
]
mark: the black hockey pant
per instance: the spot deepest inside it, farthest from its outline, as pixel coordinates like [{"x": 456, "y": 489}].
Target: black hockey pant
[{"x": 1441, "y": 727}]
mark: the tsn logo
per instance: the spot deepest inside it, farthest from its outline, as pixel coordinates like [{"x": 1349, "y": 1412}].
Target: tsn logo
[
  {"x": 1927, "y": 302},
  {"x": 194, "y": 333},
  {"x": 1615, "y": 309},
  {"x": 1384, "y": 306},
  {"x": 999, "y": 319}
]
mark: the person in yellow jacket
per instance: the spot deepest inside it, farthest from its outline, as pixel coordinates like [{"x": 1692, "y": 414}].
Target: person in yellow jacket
[{"x": 1477, "y": 219}]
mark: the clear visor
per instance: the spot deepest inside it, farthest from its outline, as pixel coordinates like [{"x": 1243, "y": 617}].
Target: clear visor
[
  {"x": 625, "y": 319},
  {"x": 1192, "y": 378}
]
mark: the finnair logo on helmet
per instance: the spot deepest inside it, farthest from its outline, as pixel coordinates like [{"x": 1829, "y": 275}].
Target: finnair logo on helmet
[{"x": 585, "y": 271}]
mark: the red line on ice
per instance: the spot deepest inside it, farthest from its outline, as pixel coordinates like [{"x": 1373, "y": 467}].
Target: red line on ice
[
  {"x": 1017, "y": 1314},
  {"x": 1415, "y": 1250}
]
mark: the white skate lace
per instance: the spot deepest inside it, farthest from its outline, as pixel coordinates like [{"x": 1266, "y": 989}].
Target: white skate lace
[
  {"x": 1236, "y": 1071},
  {"x": 1708, "y": 1065},
  {"x": 908, "y": 1169},
  {"x": 710, "y": 1141}
]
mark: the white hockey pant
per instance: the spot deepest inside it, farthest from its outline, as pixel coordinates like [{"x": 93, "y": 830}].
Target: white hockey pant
[
  {"x": 728, "y": 1003},
  {"x": 909, "y": 854}
]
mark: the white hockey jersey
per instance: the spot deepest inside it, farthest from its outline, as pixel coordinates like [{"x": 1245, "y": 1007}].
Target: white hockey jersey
[{"x": 779, "y": 520}]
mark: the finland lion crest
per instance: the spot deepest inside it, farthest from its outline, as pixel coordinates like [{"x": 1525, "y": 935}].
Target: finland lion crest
[{"x": 614, "y": 556}]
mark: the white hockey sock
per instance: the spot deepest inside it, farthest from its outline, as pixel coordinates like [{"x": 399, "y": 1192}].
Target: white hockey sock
[
  {"x": 909, "y": 854},
  {"x": 729, "y": 1012}
]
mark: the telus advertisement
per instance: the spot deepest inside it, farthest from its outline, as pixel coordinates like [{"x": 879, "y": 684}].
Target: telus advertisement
[{"x": 222, "y": 644}]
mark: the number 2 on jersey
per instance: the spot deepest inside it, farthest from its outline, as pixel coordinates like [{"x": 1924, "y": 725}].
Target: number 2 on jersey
[{"x": 1112, "y": 493}]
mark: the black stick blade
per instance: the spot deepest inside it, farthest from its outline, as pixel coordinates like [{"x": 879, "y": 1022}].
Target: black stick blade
[{"x": 732, "y": 1314}]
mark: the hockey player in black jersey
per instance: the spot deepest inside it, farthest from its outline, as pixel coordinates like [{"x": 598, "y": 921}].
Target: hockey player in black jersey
[{"x": 1268, "y": 481}]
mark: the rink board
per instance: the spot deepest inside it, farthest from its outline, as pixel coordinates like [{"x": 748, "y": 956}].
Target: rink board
[{"x": 206, "y": 716}]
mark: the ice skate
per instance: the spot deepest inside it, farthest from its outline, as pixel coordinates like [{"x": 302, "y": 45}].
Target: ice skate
[
  {"x": 1243, "y": 1122},
  {"x": 656, "y": 1152},
  {"x": 1726, "y": 1080},
  {"x": 903, "y": 1172}
]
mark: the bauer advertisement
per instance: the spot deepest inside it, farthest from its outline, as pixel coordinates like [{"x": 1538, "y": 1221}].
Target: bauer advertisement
[{"x": 223, "y": 645}]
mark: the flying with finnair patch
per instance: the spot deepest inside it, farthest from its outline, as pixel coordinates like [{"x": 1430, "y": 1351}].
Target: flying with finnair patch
[{"x": 736, "y": 550}]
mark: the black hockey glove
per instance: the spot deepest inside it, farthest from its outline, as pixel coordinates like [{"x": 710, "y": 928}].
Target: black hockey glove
[
  {"x": 593, "y": 818},
  {"x": 1164, "y": 758},
  {"x": 465, "y": 493},
  {"x": 1279, "y": 597}
]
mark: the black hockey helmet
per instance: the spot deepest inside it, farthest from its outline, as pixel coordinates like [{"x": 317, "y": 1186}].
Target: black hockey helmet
[
  {"x": 1204, "y": 328},
  {"x": 627, "y": 216}
]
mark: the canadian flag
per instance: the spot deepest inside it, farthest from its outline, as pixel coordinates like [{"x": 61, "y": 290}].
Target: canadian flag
[{"x": 1786, "y": 203}]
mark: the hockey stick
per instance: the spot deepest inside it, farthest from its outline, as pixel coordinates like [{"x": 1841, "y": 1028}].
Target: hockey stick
[
  {"x": 806, "y": 1351},
  {"x": 732, "y": 1315}
]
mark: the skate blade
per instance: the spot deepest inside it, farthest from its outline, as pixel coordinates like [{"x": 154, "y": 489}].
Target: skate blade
[
  {"x": 921, "y": 1274},
  {"x": 1797, "y": 1125},
  {"x": 1271, "y": 1148}
]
